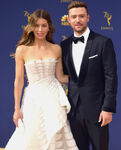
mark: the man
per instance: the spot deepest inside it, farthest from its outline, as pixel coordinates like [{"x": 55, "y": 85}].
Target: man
[{"x": 91, "y": 65}]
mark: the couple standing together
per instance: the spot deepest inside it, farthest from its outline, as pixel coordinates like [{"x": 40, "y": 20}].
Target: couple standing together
[{"x": 89, "y": 67}]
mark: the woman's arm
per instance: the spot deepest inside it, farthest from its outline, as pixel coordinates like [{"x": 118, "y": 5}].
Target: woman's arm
[
  {"x": 18, "y": 83},
  {"x": 59, "y": 68}
]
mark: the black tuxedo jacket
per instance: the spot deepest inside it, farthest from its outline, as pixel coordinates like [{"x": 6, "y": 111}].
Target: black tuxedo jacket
[{"x": 96, "y": 86}]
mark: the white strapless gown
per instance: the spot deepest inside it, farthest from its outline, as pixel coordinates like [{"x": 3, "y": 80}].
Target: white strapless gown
[{"x": 44, "y": 107}]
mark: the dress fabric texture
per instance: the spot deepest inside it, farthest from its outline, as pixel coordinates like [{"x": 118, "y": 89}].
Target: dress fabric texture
[{"x": 44, "y": 107}]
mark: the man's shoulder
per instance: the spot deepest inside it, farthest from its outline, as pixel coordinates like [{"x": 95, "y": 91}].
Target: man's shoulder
[{"x": 100, "y": 36}]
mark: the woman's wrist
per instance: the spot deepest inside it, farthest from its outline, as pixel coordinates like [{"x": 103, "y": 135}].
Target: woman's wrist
[{"x": 17, "y": 108}]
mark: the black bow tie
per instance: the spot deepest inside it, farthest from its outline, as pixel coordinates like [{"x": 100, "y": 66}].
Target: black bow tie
[{"x": 76, "y": 39}]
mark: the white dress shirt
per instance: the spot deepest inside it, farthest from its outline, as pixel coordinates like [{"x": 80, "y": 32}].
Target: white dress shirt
[{"x": 78, "y": 50}]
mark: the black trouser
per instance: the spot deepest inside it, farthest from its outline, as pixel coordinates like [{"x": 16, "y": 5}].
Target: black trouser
[{"x": 86, "y": 132}]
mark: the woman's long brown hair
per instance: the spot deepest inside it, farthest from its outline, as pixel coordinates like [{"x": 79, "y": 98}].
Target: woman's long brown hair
[{"x": 28, "y": 36}]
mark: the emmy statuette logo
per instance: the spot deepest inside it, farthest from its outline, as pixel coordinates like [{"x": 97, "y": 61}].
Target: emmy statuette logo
[
  {"x": 108, "y": 18},
  {"x": 27, "y": 15}
]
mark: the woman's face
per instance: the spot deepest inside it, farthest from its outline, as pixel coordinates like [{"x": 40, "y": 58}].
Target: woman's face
[{"x": 41, "y": 29}]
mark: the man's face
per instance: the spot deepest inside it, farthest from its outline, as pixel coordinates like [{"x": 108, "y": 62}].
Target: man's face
[{"x": 78, "y": 19}]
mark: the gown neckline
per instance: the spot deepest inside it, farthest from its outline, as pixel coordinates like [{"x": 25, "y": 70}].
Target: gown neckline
[{"x": 40, "y": 60}]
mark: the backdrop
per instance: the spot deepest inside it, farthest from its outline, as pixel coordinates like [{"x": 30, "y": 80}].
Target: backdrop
[{"x": 105, "y": 18}]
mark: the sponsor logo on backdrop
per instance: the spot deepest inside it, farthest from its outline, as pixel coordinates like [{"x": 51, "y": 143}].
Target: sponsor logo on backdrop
[
  {"x": 65, "y": 87},
  {"x": 65, "y": 1},
  {"x": 64, "y": 20},
  {"x": 26, "y": 13},
  {"x": 107, "y": 18},
  {"x": 63, "y": 37}
]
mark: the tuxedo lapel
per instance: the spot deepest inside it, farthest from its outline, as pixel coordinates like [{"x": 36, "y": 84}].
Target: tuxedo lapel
[
  {"x": 85, "y": 60},
  {"x": 71, "y": 63}
]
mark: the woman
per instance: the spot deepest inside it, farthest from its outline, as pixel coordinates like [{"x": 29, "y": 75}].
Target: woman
[{"x": 41, "y": 123}]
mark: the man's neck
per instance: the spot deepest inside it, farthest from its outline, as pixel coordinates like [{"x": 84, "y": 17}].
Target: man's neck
[{"x": 78, "y": 34}]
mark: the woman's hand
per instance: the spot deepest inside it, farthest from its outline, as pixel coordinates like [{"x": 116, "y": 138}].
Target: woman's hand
[{"x": 16, "y": 116}]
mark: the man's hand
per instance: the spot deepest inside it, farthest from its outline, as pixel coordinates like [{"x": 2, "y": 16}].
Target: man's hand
[{"x": 105, "y": 117}]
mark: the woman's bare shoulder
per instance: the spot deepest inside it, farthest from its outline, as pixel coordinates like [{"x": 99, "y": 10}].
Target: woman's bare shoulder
[
  {"x": 21, "y": 50},
  {"x": 57, "y": 48}
]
